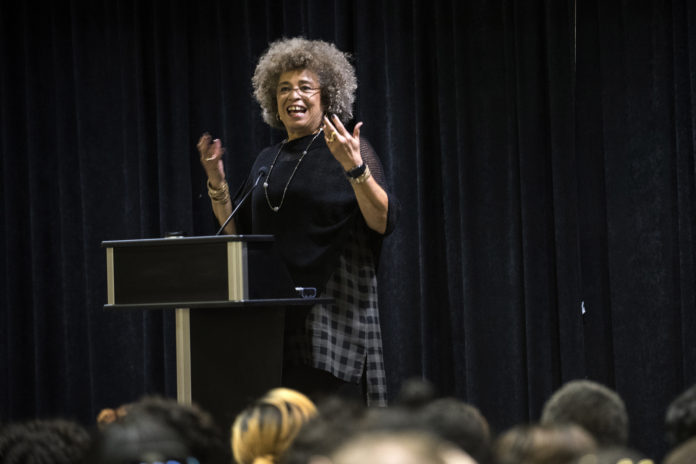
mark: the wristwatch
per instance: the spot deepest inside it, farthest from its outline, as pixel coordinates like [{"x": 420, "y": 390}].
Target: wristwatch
[{"x": 357, "y": 171}]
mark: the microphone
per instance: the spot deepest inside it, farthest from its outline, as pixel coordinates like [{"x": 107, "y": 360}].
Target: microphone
[{"x": 261, "y": 174}]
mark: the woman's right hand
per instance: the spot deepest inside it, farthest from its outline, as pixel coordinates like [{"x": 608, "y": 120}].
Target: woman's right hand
[{"x": 211, "y": 152}]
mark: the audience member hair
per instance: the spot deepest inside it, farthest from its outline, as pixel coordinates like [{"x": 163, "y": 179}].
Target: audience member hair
[
  {"x": 392, "y": 419},
  {"x": 459, "y": 423},
  {"x": 196, "y": 427},
  {"x": 680, "y": 418},
  {"x": 685, "y": 453},
  {"x": 614, "y": 455},
  {"x": 336, "y": 422},
  {"x": 108, "y": 415},
  {"x": 139, "y": 437},
  {"x": 264, "y": 431},
  {"x": 598, "y": 409},
  {"x": 415, "y": 393},
  {"x": 47, "y": 441},
  {"x": 537, "y": 444},
  {"x": 294, "y": 398}
]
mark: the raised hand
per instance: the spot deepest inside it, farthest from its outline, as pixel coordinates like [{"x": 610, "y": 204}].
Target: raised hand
[
  {"x": 344, "y": 146},
  {"x": 211, "y": 152}
]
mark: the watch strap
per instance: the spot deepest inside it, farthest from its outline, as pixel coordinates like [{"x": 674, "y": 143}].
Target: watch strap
[{"x": 357, "y": 171}]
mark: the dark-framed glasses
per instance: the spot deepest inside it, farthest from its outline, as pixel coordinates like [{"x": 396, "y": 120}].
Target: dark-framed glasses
[{"x": 305, "y": 90}]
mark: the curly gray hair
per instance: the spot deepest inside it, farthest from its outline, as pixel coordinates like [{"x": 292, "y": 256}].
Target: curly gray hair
[{"x": 336, "y": 76}]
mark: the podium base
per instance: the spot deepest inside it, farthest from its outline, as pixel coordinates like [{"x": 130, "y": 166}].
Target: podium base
[{"x": 226, "y": 359}]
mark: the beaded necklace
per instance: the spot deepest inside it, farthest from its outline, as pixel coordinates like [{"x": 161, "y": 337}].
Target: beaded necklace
[{"x": 270, "y": 170}]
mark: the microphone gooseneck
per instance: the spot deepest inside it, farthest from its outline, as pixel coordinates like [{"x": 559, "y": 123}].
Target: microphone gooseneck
[{"x": 262, "y": 172}]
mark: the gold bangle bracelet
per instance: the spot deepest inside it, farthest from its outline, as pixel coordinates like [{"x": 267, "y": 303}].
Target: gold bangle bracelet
[
  {"x": 220, "y": 194},
  {"x": 219, "y": 199},
  {"x": 223, "y": 186}
]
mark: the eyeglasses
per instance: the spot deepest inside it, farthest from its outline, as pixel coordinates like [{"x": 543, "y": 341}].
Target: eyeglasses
[{"x": 304, "y": 90}]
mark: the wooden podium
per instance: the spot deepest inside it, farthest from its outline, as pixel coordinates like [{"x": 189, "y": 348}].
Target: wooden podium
[{"x": 229, "y": 294}]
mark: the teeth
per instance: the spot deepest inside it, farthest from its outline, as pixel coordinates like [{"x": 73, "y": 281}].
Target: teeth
[{"x": 295, "y": 108}]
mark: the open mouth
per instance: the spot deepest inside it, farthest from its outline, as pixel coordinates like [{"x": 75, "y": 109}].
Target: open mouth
[{"x": 295, "y": 110}]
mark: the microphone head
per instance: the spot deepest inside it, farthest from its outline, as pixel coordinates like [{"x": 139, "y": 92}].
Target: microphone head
[{"x": 261, "y": 173}]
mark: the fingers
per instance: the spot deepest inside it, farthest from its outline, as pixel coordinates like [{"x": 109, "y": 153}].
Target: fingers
[
  {"x": 211, "y": 158},
  {"x": 330, "y": 131},
  {"x": 339, "y": 126},
  {"x": 216, "y": 149},
  {"x": 210, "y": 150},
  {"x": 203, "y": 143},
  {"x": 328, "y": 127},
  {"x": 335, "y": 130},
  {"x": 356, "y": 131}
]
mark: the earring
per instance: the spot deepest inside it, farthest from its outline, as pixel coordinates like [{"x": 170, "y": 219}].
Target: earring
[{"x": 277, "y": 116}]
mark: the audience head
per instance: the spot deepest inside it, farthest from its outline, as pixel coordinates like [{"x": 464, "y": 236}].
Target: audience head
[
  {"x": 538, "y": 444},
  {"x": 392, "y": 419},
  {"x": 50, "y": 441},
  {"x": 140, "y": 438},
  {"x": 459, "y": 423},
  {"x": 398, "y": 447},
  {"x": 596, "y": 408},
  {"x": 614, "y": 455},
  {"x": 415, "y": 393},
  {"x": 685, "y": 453},
  {"x": 196, "y": 427},
  {"x": 680, "y": 419},
  {"x": 336, "y": 422},
  {"x": 263, "y": 431},
  {"x": 450, "y": 419}
]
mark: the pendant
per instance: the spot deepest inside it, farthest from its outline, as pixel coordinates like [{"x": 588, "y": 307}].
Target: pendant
[{"x": 276, "y": 208}]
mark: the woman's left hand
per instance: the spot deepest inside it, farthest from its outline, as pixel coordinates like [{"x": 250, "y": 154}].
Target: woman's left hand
[
  {"x": 373, "y": 201},
  {"x": 344, "y": 146}
]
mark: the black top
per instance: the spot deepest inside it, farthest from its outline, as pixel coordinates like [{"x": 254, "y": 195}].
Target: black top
[{"x": 318, "y": 211}]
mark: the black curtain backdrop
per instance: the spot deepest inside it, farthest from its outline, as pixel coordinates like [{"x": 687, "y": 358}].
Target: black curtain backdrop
[
  {"x": 543, "y": 154},
  {"x": 635, "y": 145}
]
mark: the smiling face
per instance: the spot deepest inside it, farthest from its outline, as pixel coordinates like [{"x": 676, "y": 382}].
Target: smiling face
[{"x": 299, "y": 102}]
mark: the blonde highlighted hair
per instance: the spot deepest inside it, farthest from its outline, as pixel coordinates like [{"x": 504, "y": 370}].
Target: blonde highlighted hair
[{"x": 265, "y": 430}]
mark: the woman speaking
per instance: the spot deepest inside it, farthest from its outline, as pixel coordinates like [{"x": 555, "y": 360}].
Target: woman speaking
[{"x": 326, "y": 201}]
